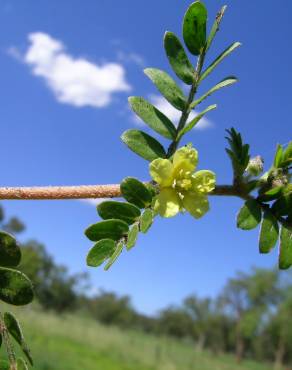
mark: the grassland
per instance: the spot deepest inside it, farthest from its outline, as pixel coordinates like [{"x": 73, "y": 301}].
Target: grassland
[{"x": 76, "y": 343}]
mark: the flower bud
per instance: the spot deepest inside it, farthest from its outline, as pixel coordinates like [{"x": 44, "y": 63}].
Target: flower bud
[{"x": 255, "y": 166}]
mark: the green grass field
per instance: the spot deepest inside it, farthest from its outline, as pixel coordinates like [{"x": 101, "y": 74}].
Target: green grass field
[{"x": 75, "y": 343}]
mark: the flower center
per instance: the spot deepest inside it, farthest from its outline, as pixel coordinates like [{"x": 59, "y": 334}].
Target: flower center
[
  {"x": 183, "y": 181},
  {"x": 184, "y": 184}
]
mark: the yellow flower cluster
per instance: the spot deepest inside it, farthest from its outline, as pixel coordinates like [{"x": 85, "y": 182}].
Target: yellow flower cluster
[{"x": 180, "y": 187}]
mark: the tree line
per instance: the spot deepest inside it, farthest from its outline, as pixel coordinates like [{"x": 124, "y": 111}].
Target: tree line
[{"x": 251, "y": 317}]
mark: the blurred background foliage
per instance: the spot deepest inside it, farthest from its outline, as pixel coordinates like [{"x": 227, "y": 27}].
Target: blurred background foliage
[{"x": 250, "y": 320}]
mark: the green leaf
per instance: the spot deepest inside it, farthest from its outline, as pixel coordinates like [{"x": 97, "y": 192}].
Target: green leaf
[
  {"x": 153, "y": 117},
  {"x": 193, "y": 123},
  {"x": 152, "y": 189},
  {"x": 100, "y": 252},
  {"x": 215, "y": 27},
  {"x": 285, "y": 257},
  {"x": 15, "y": 331},
  {"x": 146, "y": 220},
  {"x": 143, "y": 144},
  {"x": 218, "y": 60},
  {"x": 13, "y": 326},
  {"x": 278, "y": 156},
  {"x": 288, "y": 151},
  {"x": 4, "y": 365},
  {"x": 238, "y": 152},
  {"x": 275, "y": 192},
  {"x": 168, "y": 87},
  {"x": 15, "y": 287},
  {"x": 194, "y": 27},
  {"x": 224, "y": 83},
  {"x": 108, "y": 229},
  {"x": 21, "y": 364},
  {"x": 119, "y": 210},
  {"x": 132, "y": 237},
  {"x": 249, "y": 215},
  {"x": 287, "y": 156},
  {"x": 269, "y": 232},
  {"x": 136, "y": 192},
  {"x": 283, "y": 205},
  {"x": 271, "y": 194},
  {"x": 10, "y": 254},
  {"x": 178, "y": 58},
  {"x": 115, "y": 255}
]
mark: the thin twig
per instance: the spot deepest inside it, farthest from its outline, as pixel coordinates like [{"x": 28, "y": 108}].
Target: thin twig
[
  {"x": 60, "y": 192},
  {"x": 83, "y": 192}
]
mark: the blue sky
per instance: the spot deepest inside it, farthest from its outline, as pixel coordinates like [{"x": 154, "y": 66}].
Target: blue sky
[{"x": 53, "y": 132}]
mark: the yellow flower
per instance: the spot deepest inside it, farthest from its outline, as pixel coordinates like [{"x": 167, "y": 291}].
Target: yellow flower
[{"x": 180, "y": 187}]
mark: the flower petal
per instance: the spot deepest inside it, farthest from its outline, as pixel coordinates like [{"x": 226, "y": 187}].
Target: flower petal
[
  {"x": 167, "y": 203},
  {"x": 186, "y": 159},
  {"x": 161, "y": 170},
  {"x": 197, "y": 205},
  {"x": 203, "y": 181}
]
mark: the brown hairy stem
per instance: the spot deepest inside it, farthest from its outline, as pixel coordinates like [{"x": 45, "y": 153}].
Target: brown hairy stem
[{"x": 83, "y": 192}]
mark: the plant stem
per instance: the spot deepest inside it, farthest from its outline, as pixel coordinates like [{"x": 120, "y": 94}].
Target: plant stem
[
  {"x": 60, "y": 192},
  {"x": 186, "y": 112},
  {"x": 98, "y": 192},
  {"x": 87, "y": 192}
]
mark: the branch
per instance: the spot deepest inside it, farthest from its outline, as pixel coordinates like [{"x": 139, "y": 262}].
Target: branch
[
  {"x": 60, "y": 192},
  {"x": 85, "y": 192}
]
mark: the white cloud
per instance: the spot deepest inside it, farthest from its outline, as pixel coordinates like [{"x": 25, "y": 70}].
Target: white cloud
[
  {"x": 130, "y": 57},
  {"x": 173, "y": 114},
  {"x": 74, "y": 81}
]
